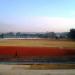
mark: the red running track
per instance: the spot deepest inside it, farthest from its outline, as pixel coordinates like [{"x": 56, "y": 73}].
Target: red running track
[{"x": 34, "y": 51}]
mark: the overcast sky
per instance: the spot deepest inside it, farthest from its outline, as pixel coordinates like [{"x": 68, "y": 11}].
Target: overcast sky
[{"x": 37, "y": 15}]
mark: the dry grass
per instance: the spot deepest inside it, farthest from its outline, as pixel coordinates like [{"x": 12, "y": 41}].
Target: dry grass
[
  {"x": 52, "y": 66},
  {"x": 33, "y": 43}
]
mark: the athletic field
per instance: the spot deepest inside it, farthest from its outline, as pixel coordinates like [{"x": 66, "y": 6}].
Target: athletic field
[
  {"x": 38, "y": 43},
  {"x": 41, "y": 43}
]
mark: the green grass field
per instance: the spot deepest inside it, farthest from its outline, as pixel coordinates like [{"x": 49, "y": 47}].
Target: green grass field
[{"x": 39, "y": 43}]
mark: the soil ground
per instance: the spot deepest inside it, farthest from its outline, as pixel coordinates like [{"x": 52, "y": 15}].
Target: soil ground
[{"x": 8, "y": 70}]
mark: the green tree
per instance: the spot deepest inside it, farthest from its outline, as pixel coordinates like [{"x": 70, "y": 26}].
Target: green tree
[
  {"x": 2, "y": 35},
  {"x": 72, "y": 34}
]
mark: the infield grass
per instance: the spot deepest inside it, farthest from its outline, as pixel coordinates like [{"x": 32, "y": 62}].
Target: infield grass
[{"x": 39, "y": 43}]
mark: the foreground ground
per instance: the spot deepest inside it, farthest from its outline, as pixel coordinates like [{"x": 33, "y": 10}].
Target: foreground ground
[
  {"x": 38, "y": 42},
  {"x": 38, "y": 72},
  {"x": 8, "y": 70}
]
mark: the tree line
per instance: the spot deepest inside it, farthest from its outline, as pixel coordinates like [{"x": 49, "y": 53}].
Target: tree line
[{"x": 52, "y": 35}]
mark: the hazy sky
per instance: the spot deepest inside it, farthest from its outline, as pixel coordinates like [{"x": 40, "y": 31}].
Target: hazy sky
[{"x": 37, "y": 15}]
